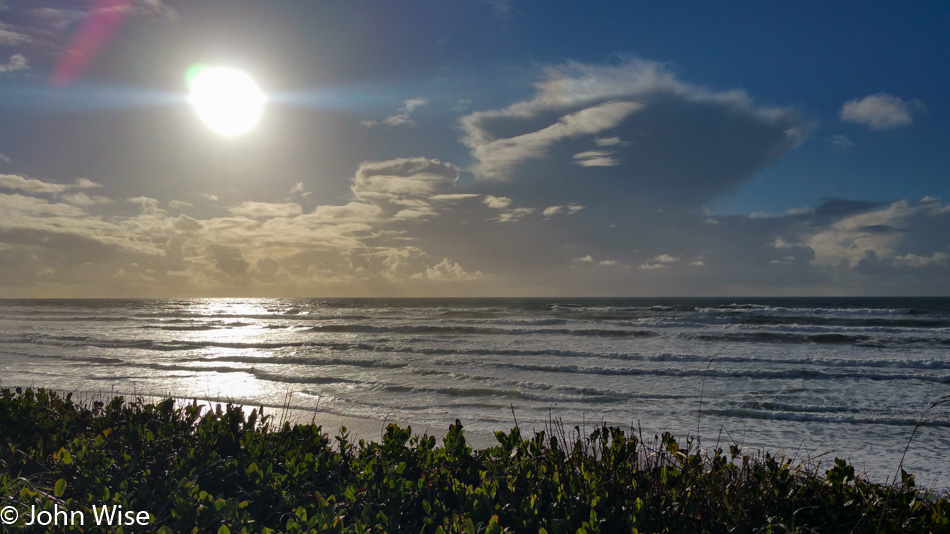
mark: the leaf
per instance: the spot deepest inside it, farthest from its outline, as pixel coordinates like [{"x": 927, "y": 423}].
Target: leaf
[
  {"x": 224, "y": 530},
  {"x": 59, "y": 488}
]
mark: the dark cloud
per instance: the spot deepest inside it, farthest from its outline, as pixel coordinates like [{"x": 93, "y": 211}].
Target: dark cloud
[{"x": 639, "y": 135}]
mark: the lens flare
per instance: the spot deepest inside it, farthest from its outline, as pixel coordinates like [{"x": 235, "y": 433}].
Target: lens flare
[{"x": 227, "y": 100}]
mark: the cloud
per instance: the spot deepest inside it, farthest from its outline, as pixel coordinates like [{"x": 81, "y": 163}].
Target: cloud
[
  {"x": 179, "y": 204},
  {"x": 402, "y": 188},
  {"x": 10, "y": 36},
  {"x": 497, "y": 203},
  {"x": 298, "y": 189},
  {"x": 58, "y": 18},
  {"x": 228, "y": 259},
  {"x": 879, "y": 111},
  {"x": 658, "y": 262},
  {"x": 900, "y": 230},
  {"x": 552, "y": 210},
  {"x": 4, "y": 158},
  {"x": 608, "y": 263},
  {"x": 16, "y": 62},
  {"x": 32, "y": 185},
  {"x": 607, "y": 141},
  {"x": 917, "y": 261},
  {"x": 266, "y": 210},
  {"x": 85, "y": 201},
  {"x": 840, "y": 141},
  {"x": 447, "y": 270},
  {"x": 635, "y": 128},
  {"x": 453, "y": 197},
  {"x": 584, "y": 259},
  {"x": 403, "y": 118},
  {"x": 496, "y": 158},
  {"x": 596, "y": 158},
  {"x": 148, "y": 205},
  {"x": 501, "y": 7},
  {"x": 515, "y": 214}
]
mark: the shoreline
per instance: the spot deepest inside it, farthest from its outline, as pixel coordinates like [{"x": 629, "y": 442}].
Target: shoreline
[
  {"x": 357, "y": 427},
  {"x": 183, "y": 468}
]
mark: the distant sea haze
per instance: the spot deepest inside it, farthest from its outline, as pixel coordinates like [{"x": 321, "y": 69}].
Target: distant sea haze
[{"x": 802, "y": 376}]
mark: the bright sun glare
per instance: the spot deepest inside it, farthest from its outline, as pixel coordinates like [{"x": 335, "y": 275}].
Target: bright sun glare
[{"x": 227, "y": 100}]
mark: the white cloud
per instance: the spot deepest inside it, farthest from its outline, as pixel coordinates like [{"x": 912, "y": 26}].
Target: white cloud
[
  {"x": 4, "y": 158},
  {"x": 608, "y": 263},
  {"x": 496, "y": 158},
  {"x": 841, "y": 141},
  {"x": 32, "y": 185},
  {"x": 697, "y": 263},
  {"x": 658, "y": 262},
  {"x": 608, "y": 141},
  {"x": 403, "y": 117},
  {"x": 781, "y": 243},
  {"x": 879, "y": 112},
  {"x": 58, "y": 18},
  {"x": 448, "y": 270},
  {"x": 574, "y": 208},
  {"x": 86, "y": 183},
  {"x": 179, "y": 204},
  {"x": 298, "y": 189},
  {"x": 497, "y": 203},
  {"x": 515, "y": 214},
  {"x": 453, "y": 197},
  {"x": 10, "y": 37},
  {"x": 885, "y": 234},
  {"x": 84, "y": 200},
  {"x": 552, "y": 210},
  {"x": 16, "y": 62},
  {"x": 596, "y": 158},
  {"x": 584, "y": 259},
  {"x": 916, "y": 261},
  {"x": 266, "y": 210},
  {"x": 404, "y": 187},
  {"x": 148, "y": 205}
]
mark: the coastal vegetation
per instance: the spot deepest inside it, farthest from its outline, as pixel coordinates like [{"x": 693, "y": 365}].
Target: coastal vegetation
[{"x": 224, "y": 470}]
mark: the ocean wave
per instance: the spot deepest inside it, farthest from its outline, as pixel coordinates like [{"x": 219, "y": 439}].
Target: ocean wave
[
  {"x": 475, "y": 330},
  {"x": 783, "y": 374},
  {"x": 820, "y": 338},
  {"x": 309, "y": 361},
  {"x": 744, "y": 413}
]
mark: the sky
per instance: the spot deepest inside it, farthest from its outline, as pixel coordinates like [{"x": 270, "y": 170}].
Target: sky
[{"x": 477, "y": 148}]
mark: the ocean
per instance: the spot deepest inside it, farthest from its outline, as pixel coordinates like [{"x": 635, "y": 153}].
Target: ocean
[{"x": 810, "y": 378}]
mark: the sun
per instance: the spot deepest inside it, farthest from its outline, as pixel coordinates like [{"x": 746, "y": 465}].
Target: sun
[{"x": 227, "y": 100}]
